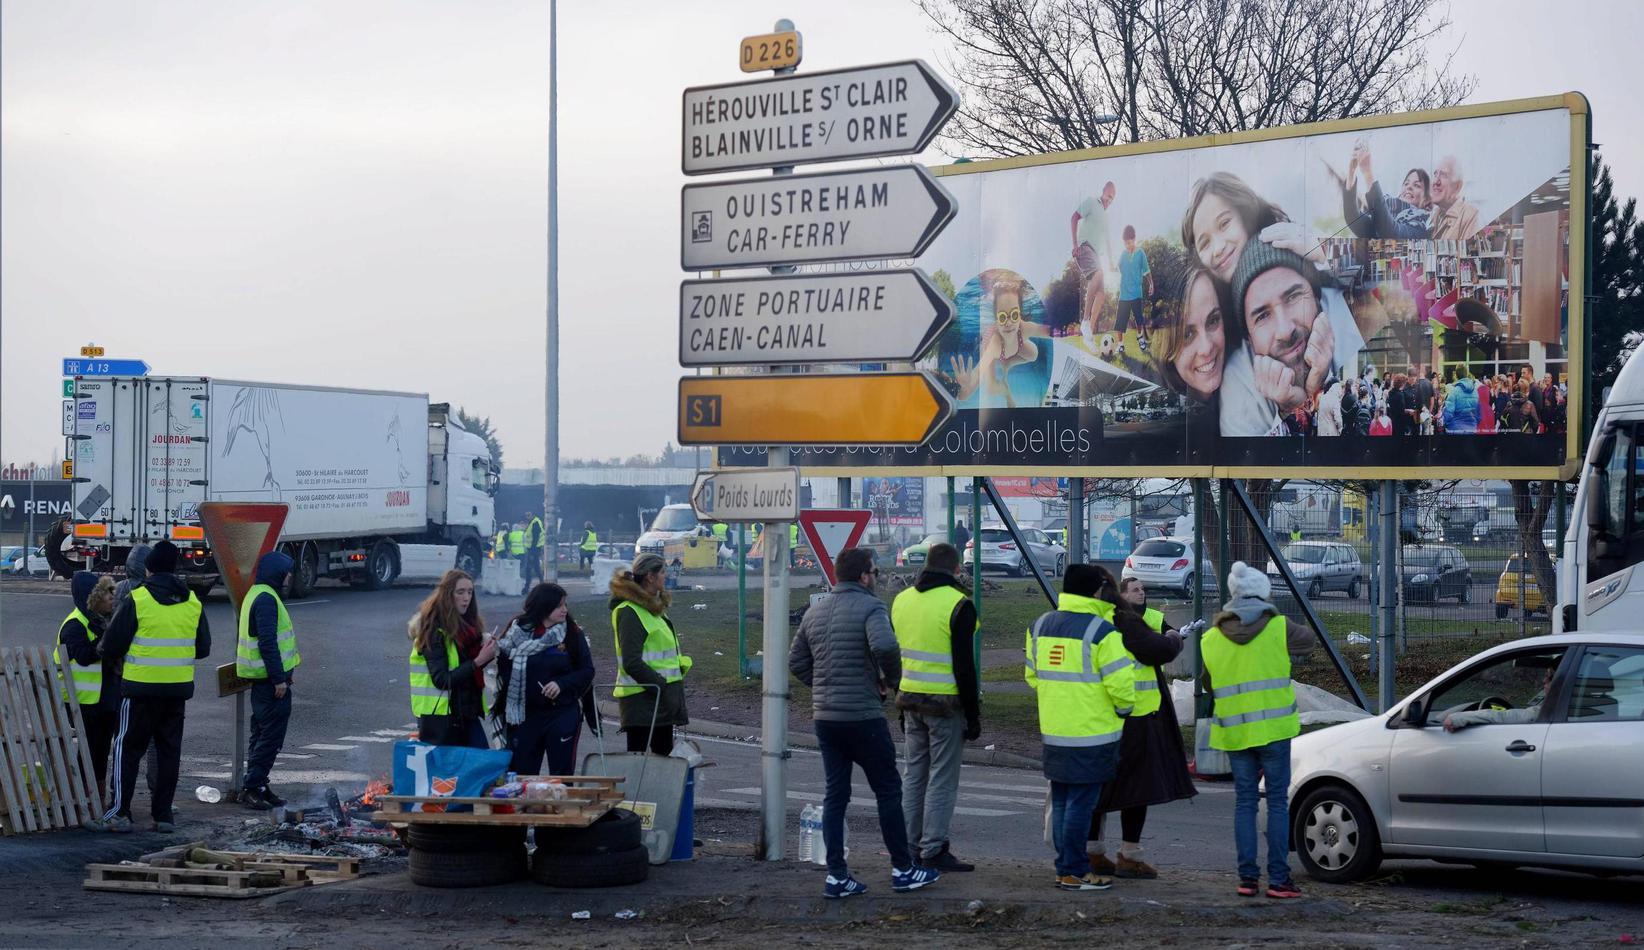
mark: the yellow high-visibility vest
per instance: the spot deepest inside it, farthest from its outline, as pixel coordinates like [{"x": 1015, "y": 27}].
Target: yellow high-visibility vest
[
  {"x": 162, "y": 650},
  {"x": 661, "y": 652},
  {"x": 921, "y": 622},
  {"x": 1253, "y": 701},
  {"x": 248, "y": 660},
  {"x": 88, "y": 680}
]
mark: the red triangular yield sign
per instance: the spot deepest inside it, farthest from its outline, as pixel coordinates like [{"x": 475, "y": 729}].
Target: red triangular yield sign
[
  {"x": 830, "y": 531},
  {"x": 239, "y": 533}
]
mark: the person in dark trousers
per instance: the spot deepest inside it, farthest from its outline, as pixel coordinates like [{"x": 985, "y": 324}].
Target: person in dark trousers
[
  {"x": 1152, "y": 760},
  {"x": 961, "y": 536},
  {"x": 533, "y": 550},
  {"x": 266, "y": 653},
  {"x": 648, "y": 655},
  {"x": 159, "y": 634},
  {"x": 96, "y": 680},
  {"x": 846, "y": 652},
  {"x": 449, "y": 653},
  {"x": 935, "y": 623},
  {"x": 136, "y": 568},
  {"x": 589, "y": 548},
  {"x": 543, "y": 670}
]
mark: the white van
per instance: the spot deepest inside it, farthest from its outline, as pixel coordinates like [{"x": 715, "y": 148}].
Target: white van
[
  {"x": 672, "y": 523},
  {"x": 1600, "y": 581}
]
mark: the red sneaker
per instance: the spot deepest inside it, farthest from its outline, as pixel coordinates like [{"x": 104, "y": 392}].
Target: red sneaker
[
  {"x": 1248, "y": 888},
  {"x": 1285, "y": 891}
]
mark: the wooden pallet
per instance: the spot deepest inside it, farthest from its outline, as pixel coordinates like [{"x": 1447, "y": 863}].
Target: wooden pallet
[
  {"x": 588, "y": 798},
  {"x": 46, "y": 777},
  {"x": 320, "y": 869},
  {"x": 193, "y": 882}
]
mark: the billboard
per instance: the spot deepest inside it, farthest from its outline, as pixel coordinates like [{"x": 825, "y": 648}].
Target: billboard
[
  {"x": 1393, "y": 296},
  {"x": 896, "y": 501}
]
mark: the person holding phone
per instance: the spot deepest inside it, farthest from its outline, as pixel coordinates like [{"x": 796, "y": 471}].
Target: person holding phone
[
  {"x": 543, "y": 669},
  {"x": 449, "y": 653}
]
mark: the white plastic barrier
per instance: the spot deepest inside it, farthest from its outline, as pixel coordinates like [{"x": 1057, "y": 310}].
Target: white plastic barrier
[
  {"x": 599, "y": 581},
  {"x": 502, "y": 577}
]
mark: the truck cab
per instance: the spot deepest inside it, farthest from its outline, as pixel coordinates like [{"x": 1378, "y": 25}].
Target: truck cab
[{"x": 1600, "y": 577}]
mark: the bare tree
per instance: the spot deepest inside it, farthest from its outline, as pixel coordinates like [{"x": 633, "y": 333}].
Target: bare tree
[{"x": 1051, "y": 75}]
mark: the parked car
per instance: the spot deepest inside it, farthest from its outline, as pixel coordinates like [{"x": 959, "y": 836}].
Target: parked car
[
  {"x": 1164, "y": 564},
  {"x": 914, "y": 554},
  {"x": 1507, "y": 590},
  {"x": 1321, "y": 566},
  {"x": 1548, "y": 791},
  {"x": 1000, "y": 553},
  {"x": 1435, "y": 571},
  {"x": 672, "y": 523},
  {"x": 11, "y": 561}
]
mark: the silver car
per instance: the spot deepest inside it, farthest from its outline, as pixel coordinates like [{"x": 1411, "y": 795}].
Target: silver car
[
  {"x": 1000, "y": 552},
  {"x": 1166, "y": 564},
  {"x": 1321, "y": 566},
  {"x": 1540, "y": 765}
]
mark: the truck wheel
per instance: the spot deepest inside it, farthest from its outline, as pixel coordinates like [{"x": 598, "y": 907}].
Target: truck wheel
[
  {"x": 381, "y": 566},
  {"x": 304, "y": 571},
  {"x": 469, "y": 560}
]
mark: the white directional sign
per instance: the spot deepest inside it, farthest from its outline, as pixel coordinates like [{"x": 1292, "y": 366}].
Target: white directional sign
[
  {"x": 884, "y": 316},
  {"x": 868, "y": 111},
  {"x": 68, "y": 417},
  {"x": 868, "y": 214},
  {"x": 747, "y": 495}
]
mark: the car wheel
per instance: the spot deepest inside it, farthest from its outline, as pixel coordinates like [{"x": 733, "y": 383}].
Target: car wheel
[
  {"x": 1335, "y": 835},
  {"x": 470, "y": 869},
  {"x": 597, "y": 869},
  {"x": 1501, "y": 611},
  {"x": 1353, "y": 589},
  {"x": 1187, "y": 586},
  {"x": 1061, "y": 565},
  {"x": 1466, "y": 595},
  {"x": 1315, "y": 590}
]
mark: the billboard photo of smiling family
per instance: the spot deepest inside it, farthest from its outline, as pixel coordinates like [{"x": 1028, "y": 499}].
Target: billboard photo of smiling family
[{"x": 1392, "y": 296}]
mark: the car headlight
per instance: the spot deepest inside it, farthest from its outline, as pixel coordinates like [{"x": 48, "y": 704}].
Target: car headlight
[{"x": 1419, "y": 579}]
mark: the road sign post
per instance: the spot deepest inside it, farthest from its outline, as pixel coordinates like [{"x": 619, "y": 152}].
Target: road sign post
[
  {"x": 864, "y": 214},
  {"x": 871, "y": 317}
]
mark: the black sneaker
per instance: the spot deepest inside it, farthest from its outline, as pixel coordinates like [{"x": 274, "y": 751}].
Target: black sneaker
[
  {"x": 273, "y": 800},
  {"x": 255, "y": 799},
  {"x": 945, "y": 862}
]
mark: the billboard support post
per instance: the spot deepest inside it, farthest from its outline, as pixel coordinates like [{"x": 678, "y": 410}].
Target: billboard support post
[
  {"x": 742, "y": 601},
  {"x": 1279, "y": 561},
  {"x": 844, "y": 492},
  {"x": 1388, "y": 516},
  {"x": 1075, "y": 520},
  {"x": 976, "y": 546},
  {"x": 1021, "y": 543},
  {"x": 951, "y": 506},
  {"x": 1199, "y": 497}
]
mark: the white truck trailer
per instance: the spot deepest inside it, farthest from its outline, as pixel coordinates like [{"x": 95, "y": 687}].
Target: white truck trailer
[
  {"x": 1601, "y": 570},
  {"x": 365, "y": 473}
]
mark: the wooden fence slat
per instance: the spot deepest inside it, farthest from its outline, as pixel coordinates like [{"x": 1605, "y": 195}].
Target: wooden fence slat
[
  {"x": 11, "y": 788},
  {"x": 85, "y": 777},
  {"x": 76, "y": 797},
  {"x": 46, "y": 698},
  {"x": 16, "y": 727}
]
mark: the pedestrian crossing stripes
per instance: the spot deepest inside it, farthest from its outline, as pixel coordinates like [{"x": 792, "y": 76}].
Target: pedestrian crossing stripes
[
  {"x": 863, "y": 798},
  {"x": 365, "y": 738},
  {"x": 329, "y": 747}
]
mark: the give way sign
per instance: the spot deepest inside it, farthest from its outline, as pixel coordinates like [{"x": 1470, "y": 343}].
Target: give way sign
[{"x": 831, "y": 530}]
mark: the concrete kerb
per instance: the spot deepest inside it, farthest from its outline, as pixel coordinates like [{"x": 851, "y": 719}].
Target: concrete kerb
[{"x": 751, "y": 735}]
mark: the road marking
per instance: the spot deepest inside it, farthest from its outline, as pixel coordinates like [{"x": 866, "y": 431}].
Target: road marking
[
  {"x": 856, "y": 801},
  {"x": 996, "y": 787},
  {"x": 409, "y": 725},
  {"x": 396, "y": 733},
  {"x": 360, "y": 739},
  {"x": 327, "y": 747},
  {"x": 295, "y": 755},
  {"x": 306, "y": 603},
  {"x": 298, "y": 777}
]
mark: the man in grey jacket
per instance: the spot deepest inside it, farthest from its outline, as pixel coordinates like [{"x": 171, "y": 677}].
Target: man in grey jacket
[{"x": 846, "y": 652}]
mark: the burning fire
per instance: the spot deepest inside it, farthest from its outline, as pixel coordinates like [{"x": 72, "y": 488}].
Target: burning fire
[{"x": 376, "y": 789}]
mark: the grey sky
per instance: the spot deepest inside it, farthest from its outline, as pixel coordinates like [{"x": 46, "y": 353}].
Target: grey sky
[{"x": 353, "y": 193}]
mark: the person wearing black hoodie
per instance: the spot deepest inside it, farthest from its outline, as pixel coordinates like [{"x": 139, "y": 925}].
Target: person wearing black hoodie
[
  {"x": 151, "y": 633},
  {"x": 96, "y": 685},
  {"x": 266, "y": 653}
]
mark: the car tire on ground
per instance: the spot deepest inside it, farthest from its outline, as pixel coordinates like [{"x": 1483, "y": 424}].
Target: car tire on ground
[
  {"x": 462, "y": 839},
  {"x": 1061, "y": 565},
  {"x": 618, "y": 830},
  {"x": 470, "y": 869},
  {"x": 1315, "y": 589},
  {"x": 1335, "y": 835},
  {"x": 602, "y": 869},
  {"x": 1501, "y": 611},
  {"x": 1353, "y": 589},
  {"x": 1466, "y": 595},
  {"x": 1187, "y": 586}
]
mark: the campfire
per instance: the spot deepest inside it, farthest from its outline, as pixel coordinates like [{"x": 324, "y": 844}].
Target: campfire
[
  {"x": 332, "y": 826},
  {"x": 374, "y": 790}
]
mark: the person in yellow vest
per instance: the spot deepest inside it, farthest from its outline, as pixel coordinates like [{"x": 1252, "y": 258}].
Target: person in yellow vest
[
  {"x": 793, "y": 543},
  {"x": 1085, "y": 681},
  {"x": 935, "y": 624},
  {"x": 516, "y": 543},
  {"x": 93, "y": 686},
  {"x": 499, "y": 544},
  {"x": 533, "y": 550},
  {"x": 159, "y": 633},
  {"x": 449, "y": 653},
  {"x": 265, "y": 652},
  {"x": 648, "y": 654},
  {"x": 1152, "y": 761},
  {"x": 1253, "y": 718},
  {"x": 589, "y": 546}
]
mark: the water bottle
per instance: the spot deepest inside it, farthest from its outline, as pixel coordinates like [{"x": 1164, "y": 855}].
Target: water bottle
[
  {"x": 209, "y": 794},
  {"x": 810, "y": 833}
]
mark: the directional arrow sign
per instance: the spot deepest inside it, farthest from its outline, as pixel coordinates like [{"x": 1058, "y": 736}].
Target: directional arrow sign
[
  {"x": 830, "y": 531},
  {"x": 867, "y": 214},
  {"x": 845, "y": 409},
  {"x": 890, "y": 109},
  {"x": 75, "y": 366},
  {"x": 887, "y": 316},
  {"x": 747, "y": 495}
]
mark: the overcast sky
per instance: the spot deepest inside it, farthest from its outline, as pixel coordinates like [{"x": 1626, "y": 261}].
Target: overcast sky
[{"x": 353, "y": 192}]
